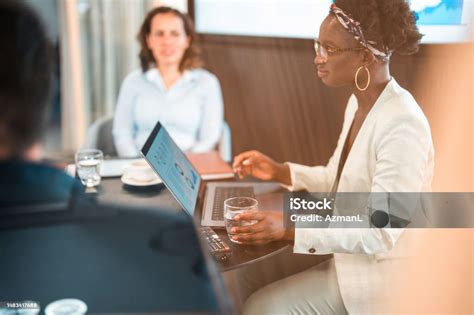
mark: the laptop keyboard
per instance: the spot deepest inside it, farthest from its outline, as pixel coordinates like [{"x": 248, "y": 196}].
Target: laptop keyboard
[{"x": 223, "y": 193}]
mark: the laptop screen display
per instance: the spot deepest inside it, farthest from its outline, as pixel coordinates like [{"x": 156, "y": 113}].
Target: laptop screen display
[{"x": 167, "y": 159}]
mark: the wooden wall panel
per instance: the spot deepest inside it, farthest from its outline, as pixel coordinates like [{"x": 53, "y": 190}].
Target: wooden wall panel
[
  {"x": 275, "y": 103},
  {"x": 273, "y": 99}
]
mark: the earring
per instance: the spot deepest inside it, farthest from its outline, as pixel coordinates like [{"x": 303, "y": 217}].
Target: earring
[{"x": 357, "y": 75}]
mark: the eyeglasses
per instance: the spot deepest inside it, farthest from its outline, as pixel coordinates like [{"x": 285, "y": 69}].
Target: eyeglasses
[{"x": 324, "y": 51}]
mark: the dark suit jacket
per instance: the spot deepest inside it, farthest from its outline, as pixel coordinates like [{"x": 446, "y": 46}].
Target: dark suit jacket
[{"x": 56, "y": 243}]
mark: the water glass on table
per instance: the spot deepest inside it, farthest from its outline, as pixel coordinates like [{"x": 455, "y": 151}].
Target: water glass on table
[
  {"x": 88, "y": 164},
  {"x": 235, "y": 206}
]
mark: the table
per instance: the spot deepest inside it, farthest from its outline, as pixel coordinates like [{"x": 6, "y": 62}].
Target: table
[
  {"x": 269, "y": 262},
  {"x": 112, "y": 190}
]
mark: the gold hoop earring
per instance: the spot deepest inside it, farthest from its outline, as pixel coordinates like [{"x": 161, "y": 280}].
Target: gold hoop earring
[{"x": 357, "y": 75}]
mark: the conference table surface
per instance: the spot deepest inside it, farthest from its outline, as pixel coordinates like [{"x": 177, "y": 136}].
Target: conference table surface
[{"x": 112, "y": 190}]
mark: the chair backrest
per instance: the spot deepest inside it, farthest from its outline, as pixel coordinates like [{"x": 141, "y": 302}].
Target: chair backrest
[
  {"x": 99, "y": 136},
  {"x": 225, "y": 143},
  {"x": 127, "y": 254}
]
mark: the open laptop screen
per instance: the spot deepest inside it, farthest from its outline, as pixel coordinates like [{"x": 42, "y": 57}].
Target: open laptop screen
[{"x": 178, "y": 174}]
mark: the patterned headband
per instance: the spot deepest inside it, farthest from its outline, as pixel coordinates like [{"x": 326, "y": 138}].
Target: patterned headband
[{"x": 355, "y": 29}]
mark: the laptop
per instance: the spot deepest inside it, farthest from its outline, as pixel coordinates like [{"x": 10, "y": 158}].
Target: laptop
[{"x": 185, "y": 184}]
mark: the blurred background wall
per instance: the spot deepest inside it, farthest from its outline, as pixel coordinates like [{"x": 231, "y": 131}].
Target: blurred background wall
[{"x": 274, "y": 101}]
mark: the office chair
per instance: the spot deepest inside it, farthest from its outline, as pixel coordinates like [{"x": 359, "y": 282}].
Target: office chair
[
  {"x": 225, "y": 143},
  {"x": 116, "y": 260},
  {"x": 99, "y": 136}
]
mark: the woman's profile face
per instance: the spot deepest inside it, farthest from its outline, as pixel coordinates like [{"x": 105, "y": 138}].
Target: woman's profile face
[
  {"x": 337, "y": 68},
  {"x": 167, "y": 39}
]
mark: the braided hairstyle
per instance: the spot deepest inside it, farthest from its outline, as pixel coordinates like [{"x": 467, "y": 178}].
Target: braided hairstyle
[{"x": 389, "y": 23}]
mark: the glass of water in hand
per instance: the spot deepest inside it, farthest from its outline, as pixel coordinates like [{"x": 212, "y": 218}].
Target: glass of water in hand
[
  {"x": 88, "y": 163},
  {"x": 235, "y": 206}
]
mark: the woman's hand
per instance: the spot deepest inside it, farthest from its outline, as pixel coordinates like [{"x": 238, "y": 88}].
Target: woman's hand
[
  {"x": 259, "y": 165},
  {"x": 268, "y": 228}
]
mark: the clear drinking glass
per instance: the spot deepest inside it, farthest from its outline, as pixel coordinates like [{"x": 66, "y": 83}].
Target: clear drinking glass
[
  {"x": 88, "y": 164},
  {"x": 235, "y": 206}
]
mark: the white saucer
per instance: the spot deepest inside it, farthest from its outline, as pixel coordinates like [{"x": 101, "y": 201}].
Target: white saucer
[
  {"x": 133, "y": 182},
  {"x": 66, "y": 306}
]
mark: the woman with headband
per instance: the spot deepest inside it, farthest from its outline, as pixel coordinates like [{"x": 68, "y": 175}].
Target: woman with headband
[{"x": 385, "y": 146}]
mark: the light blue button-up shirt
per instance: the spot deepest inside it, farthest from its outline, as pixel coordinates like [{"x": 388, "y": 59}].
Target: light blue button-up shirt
[{"x": 191, "y": 110}]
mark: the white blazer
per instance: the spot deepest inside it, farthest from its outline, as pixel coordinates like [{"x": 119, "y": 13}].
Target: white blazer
[{"x": 393, "y": 152}]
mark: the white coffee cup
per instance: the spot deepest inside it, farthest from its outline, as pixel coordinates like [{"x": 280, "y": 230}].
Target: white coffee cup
[{"x": 139, "y": 171}]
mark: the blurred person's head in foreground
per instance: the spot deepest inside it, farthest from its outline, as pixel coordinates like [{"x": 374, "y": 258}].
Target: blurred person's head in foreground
[
  {"x": 167, "y": 39},
  {"x": 25, "y": 81}
]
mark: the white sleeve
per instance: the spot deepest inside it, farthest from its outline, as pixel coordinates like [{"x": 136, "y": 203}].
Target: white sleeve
[
  {"x": 345, "y": 240},
  {"x": 312, "y": 178},
  {"x": 403, "y": 162},
  {"x": 123, "y": 129},
  {"x": 211, "y": 126}
]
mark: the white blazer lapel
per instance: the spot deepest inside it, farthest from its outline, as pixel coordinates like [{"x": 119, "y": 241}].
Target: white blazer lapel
[{"x": 360, "y": 156}]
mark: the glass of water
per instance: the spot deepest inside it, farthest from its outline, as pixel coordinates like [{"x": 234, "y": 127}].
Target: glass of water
[
  {"x": 235, "y": 206},
  {"x": 88, "y": 163}
]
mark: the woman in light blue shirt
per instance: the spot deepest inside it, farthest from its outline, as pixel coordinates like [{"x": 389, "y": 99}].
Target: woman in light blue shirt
[{"x": 171, "y": 87}]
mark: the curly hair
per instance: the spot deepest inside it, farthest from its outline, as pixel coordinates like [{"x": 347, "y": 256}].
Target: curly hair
[
  {"x": 191, "y": 58},
  {"x": 389, "y": 23}
]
